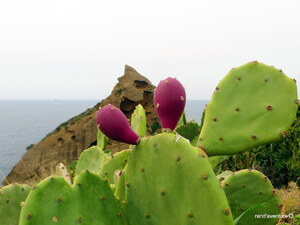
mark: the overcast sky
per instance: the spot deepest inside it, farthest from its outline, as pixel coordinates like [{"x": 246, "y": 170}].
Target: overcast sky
[{"x": 69, "y": 49}]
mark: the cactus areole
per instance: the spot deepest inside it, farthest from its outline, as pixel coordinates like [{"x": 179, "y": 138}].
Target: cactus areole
[
  {"x": 113, "y": 123},
  {"x": 169, "y": 101}
]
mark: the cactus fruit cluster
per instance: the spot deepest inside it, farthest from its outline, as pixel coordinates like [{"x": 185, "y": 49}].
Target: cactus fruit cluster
[{"x": 170, "y": 178}]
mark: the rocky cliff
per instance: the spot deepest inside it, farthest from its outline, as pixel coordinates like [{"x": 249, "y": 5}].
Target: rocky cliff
[{"x": 67, "y": 141}]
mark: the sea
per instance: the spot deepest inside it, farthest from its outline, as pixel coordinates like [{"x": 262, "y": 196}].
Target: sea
[{"x": 26, "y": 122}]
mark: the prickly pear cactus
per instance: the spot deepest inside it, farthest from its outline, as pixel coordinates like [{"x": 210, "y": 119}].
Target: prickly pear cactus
[
  {"x": 101, "y": 139},
  {"x": 116, "y": 162},
  {"x": 168, "y": 181},
  {"x": 138, "y": 121},
  {"x": 89, "y": 201},
  {"x": 11, "y": 199},
  {"x": 251, "y": 196},
  {"x": 190, "y": 130},
  {"x": 90, "y": 159},
  {"x": 253, "y": 105}
]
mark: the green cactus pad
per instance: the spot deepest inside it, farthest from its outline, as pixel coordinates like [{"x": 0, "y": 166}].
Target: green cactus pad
[
  {"x": 168, "y": 181},
  {"x": 138, "y": 121},
  {"x": 250, "y": 193},
  {"x": 116, "y": 162},
  {"x": 11, "y": 198},
  {"x": 90, "y": 159},
  {"x": 189, "y": 130},
  {"x": 253, "y": 105},
  {"x": 89, "y": 201},
  {"x": 101, "y": 139}
]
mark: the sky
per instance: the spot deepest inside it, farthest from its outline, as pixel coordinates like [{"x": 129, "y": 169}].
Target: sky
[{"x": 70, "y": 49}]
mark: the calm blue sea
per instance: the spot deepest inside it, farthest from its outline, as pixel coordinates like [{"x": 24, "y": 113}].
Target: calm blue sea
[{"x": 25, "y": 122}]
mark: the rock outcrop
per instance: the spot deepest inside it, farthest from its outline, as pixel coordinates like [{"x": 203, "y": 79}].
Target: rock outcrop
[{"x": 67, "y": 142}]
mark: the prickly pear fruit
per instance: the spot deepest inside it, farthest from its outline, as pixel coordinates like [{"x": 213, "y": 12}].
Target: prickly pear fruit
[
  {"x": 89, "y": 201},
  {"x": 11, "y": 199},
  {"x": 113, "y": 123},
  {"x": 250, "y": 193},
  {"x": 169, "y": 101},
  {"x": 254, "y": 104},
  {"x": 168, "y": 181}
]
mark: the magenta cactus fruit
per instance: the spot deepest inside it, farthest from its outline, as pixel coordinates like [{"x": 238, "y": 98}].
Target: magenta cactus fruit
[
  {"x": 113, "y": 123},
  {"x": 169, "y": 101}
]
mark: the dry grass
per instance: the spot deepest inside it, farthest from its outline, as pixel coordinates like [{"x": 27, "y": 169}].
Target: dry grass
[{"x": 291, "y": 202}]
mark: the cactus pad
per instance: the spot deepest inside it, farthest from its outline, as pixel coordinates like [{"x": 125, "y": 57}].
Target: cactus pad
[
  {"x": 138, "y": 121},
  {"x": 250, "y": 193},
  {"x": 11, "y": 198},
  {"x": 116, "y": 162},
  {"x": 89, "y": 201},
  {"x": 90, "y": 159},
  {"x": 168, "y": 181},
  {"x": 253, "y": 105},
  {"x": 189, "y": 130}
]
